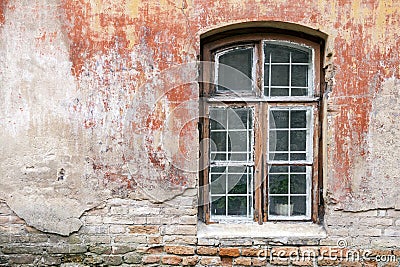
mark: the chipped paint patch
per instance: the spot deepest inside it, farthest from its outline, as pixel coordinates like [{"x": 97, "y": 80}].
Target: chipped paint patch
[
  {"x": 375, "y": 178},
  {"x": 3, "y": 6}
]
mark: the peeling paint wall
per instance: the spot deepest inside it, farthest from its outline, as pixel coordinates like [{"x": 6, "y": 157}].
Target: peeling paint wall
[
  {"x": 99, "y": 101},
  {"x": 375, "y": 178},
  {"x": 84, "y": 90}
]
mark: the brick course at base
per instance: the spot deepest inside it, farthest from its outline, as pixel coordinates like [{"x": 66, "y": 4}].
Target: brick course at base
[
  {"x": 141, "y": 244},
  {"x": 174, "y": 260}
]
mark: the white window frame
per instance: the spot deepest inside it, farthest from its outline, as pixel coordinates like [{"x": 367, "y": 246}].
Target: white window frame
[{"x": 263, "y": 104}]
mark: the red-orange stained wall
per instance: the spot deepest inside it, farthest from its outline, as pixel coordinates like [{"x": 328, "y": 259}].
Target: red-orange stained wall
[{"x": 362, "y": 35}]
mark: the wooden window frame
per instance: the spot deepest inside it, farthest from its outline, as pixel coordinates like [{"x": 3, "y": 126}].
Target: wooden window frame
[{"x": 209, "y": 97}]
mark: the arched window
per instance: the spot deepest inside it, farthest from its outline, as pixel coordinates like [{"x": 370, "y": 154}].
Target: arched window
[{"x": 260, "y": 127}]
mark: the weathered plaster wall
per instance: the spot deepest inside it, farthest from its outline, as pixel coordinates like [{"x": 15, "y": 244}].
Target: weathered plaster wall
[
  {"x": 99, "y": 102},
  {"x": 79, "y": 96},
  {"x": 375, "y": 178},
  {"x": 40, "y": 136},
  {"x": 364, "y": 57}
]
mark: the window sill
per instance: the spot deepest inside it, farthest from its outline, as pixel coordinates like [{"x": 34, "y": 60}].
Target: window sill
[{"x": 284, "y": 230}]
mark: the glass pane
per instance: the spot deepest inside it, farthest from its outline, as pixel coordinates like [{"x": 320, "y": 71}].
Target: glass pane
[
  {"x": 280, "y": 75},
  {"x": 218, "y": 141},
  {"x": 279, "y": 91},
  {"x": 300, "y": 76},
  {"x": 279, "y": 53},
  {"x": 218, "y": 183},
  {"x": 298, "y": 140},
  {"x": 298, "y": 205},
  {"x": 237, "y": 118},
  {"x": 298, "y": 184},
  {"x": 238, "y": 141},
  {"x": 297, "y": 168},
  {"x": 239, "y": 156},
  {"x": 299, "y": 56},
  {"x": 278, "y": 184},
  {"x": 299, "y": 91},
  {"x": 279, "y": 206},
  {"x": 237, "y": 184},
  {"x": 278, "y": 169},
  {"x": 219, "y": 170},
  {"x": 298, "y": 119},
  {"x": 266, "y": 75},
  {"x": 237, "y": 206},
  {"x": 217, "y": 118},
  {"x": 298, "y": 156},
  {"x": 278, "y": 156},
  {"x": 218, "y": 206},
  {"x": 218, "y": 156},
  {"x": 280, "y": 143},
  {"x": 235, "y": 70},
  {"x": 279, "y": 119},
  {"x": 238, "y": 169}
]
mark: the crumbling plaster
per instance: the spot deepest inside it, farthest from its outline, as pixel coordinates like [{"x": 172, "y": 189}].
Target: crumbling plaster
[
  {"x": 376, "y": 180},
  {"x": 104, "y": 90}
]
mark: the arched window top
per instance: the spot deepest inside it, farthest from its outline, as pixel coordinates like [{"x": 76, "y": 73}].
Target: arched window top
[
  {"x": 264, "y": 65},
  {"x": 254, "y": 27},
  {"x": 261, "y": 88}
]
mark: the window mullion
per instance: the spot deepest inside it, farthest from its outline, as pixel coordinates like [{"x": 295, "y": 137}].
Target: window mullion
[
  {"x": 264, "y": 158},
  {"x": 247, "y": 192},
  {"x": 289, "y": 200},
  {"x": 258, "y": 148},
  {"x": 205, "y": 162},
  {"x": 247, "y": 138},
  {"x": 290, "y": 74},
  {"x": 289, "y": 155},
  {"x": 226, "y": 190},
  {"x": 227, "y": 137},
  {"x": 269, "y": 74}
]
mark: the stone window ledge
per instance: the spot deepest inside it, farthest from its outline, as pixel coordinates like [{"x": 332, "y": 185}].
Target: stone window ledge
[{"x": 269, "y": 230}]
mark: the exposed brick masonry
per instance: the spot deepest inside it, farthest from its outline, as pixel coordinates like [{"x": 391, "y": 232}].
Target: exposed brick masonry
[{"x": 138, "y": 241}]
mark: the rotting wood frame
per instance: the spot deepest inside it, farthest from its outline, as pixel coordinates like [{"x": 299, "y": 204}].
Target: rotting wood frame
[{"x": 262, "y": 106}]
